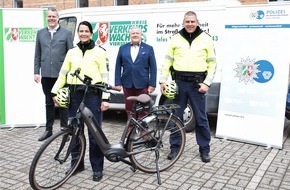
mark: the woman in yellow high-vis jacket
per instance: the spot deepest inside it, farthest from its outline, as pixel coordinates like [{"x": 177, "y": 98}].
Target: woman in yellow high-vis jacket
[
  {"x": 190, "y": 59},
  {"x": 92, "y": 61}
]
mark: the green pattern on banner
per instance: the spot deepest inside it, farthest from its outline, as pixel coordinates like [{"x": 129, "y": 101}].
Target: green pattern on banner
[
  {"x": 44, "y": 18},
  {"x": 2, "y": 81}
]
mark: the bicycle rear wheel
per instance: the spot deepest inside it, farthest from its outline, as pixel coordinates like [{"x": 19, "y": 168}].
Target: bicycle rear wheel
[
  {"x": 50, "y": 168},
  {"x": 156, "y": 141}
]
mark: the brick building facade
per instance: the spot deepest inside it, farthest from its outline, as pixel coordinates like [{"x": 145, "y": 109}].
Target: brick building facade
[{"x": 66, "y": 4}]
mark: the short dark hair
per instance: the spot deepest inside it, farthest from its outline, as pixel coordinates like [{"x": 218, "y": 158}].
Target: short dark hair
[
  {"x": 53, "y": 10},
  {"x": 86, "y": 23}
]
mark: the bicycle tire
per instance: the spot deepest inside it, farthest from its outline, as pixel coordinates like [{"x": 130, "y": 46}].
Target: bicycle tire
[
  {"x": 47, "y": 170},
  {"x": 143, "y": 151}
]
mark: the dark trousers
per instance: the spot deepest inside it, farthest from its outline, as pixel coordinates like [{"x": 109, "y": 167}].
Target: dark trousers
[
  {"x": 133, "y": 92},
  {"x": 93, "y": 102},
  {"x": 188, "y": 91},
  {"x": 47, "y": 84}
]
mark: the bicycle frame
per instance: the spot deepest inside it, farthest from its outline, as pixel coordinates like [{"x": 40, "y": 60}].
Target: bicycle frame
[{"x": 113, "y": 152}]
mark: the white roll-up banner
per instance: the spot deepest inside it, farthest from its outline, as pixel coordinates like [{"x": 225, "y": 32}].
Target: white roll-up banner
[
  {"x": 22, "y": 102},
  {"x": 255, "y": 70}
]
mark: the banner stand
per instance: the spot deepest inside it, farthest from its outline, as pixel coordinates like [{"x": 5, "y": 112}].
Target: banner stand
[{"x": 254, "y": 80}]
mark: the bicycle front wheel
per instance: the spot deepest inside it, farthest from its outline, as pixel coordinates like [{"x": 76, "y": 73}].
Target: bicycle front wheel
[
  {"x": 150, "y": 151},
  {"x": 56, "y": 160}
]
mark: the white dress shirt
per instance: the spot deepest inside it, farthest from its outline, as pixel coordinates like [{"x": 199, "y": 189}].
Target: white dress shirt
[{"x": 134, "y": 51}]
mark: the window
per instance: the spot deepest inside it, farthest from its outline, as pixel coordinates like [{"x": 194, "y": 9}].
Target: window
[
  {"x": 69, "y": 23},
  {"x": 47, "y": 6},
  {"x": 278, "y": 0},
  {"x": 18, "y": 3},
  {"x": 166, "y": 1},
  {"x": 121, "y": 2},
  {"x": 83, "y": 3}
]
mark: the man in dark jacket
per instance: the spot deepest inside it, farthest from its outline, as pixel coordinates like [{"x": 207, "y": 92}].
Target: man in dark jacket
[
  {"x": 52, "y": 44},
  {"x": 136, "y": 68}
]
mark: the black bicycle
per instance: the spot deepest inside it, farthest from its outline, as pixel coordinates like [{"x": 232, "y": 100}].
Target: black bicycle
[{"x": 145, "y": 147}]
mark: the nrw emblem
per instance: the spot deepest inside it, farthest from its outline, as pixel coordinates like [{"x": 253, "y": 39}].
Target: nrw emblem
[
  {"x": 247, "y": 70},
  {"x": 103, "y": 32},
  {"x": 11, "y": 34}
]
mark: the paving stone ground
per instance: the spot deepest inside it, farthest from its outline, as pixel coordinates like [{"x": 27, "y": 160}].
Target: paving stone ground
[{"x": 234, "y": 165}]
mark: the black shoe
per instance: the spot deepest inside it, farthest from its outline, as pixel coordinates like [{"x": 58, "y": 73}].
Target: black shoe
[
  {"x": 205, "y": 158},
  {"x": 97, "y": 176},
  {"x": 45, "y": 135},
  {"x": 172, "y": 155}
]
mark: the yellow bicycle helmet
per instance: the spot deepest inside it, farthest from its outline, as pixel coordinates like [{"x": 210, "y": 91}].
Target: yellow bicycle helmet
[
  {"x": 170, "y": 90},
  {"x": 63, "y": 97}
]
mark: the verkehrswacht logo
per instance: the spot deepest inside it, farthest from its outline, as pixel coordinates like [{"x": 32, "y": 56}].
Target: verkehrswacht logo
[
  {"x": 249, "y": 70},
  {"x": 20, "y": 34}
]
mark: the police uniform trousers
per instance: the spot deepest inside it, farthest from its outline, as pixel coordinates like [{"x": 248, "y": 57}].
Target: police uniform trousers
[
  {"x": 188, "y": 91},
  {"x": 93, "y": 102}
]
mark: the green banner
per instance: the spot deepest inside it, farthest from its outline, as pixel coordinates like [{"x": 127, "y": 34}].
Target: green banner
[
  {"x": 2, "y": 78},
  {"x": 44, "y": 18}
]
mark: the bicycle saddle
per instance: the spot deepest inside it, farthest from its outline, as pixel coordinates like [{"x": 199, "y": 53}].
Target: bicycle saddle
[{"x": 142, "y": 98}]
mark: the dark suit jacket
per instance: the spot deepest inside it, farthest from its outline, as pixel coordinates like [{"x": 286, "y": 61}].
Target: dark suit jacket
[
  {"x": 50, "y": 54},
  {"x": 139, "y": 74}
]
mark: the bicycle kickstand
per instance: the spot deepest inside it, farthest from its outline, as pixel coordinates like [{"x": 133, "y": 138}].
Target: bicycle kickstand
[{"x": 157, "y": 166}]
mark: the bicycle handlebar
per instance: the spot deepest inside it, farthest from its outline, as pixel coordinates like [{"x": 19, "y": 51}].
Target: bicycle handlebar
[{"x": 87, "y": 81}]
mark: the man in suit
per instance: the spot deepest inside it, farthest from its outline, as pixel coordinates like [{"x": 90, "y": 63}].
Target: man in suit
[
  {"x": 135, "y": 70},
  {"x": 52, "y": 44}
]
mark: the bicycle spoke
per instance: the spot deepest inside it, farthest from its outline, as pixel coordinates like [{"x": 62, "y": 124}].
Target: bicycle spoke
[
  {"x": 52, "y": 165},
  {"x": 158, "y": 137}
]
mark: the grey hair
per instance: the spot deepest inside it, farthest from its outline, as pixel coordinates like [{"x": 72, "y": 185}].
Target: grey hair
[
  {"x": 135, "y": 27},
  {"x": 189, "y": 13}
]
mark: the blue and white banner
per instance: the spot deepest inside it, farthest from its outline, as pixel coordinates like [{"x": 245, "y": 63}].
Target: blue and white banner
[{"x": 255, "y": 74}]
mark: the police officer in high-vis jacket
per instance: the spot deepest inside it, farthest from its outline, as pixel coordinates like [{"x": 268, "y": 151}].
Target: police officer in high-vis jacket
[
  {"x": 90, "y": 60},
  {"x": 191, "y": 61}
]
